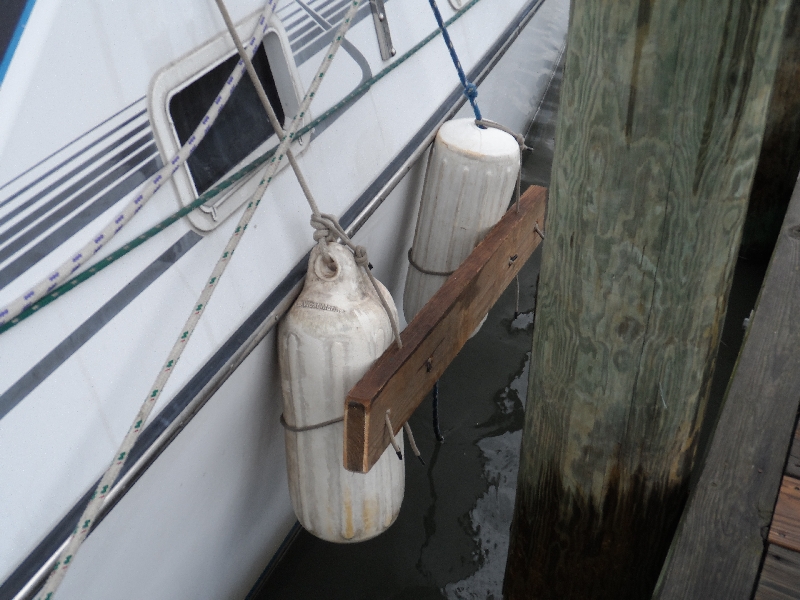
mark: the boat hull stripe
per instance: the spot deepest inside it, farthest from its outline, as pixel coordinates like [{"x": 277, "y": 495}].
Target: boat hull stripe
[
  {"x": 83, "y": 218},
  {"x": 75, "y": 155},
  {"x": 56, "y": 357},
  {"x": 75, "y": 172},
  {"x": 302, "y": 54}
]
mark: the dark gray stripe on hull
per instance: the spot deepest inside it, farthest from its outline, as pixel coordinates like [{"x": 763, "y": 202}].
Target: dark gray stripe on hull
[
  {"x": 82, "y": 218},
  {"x": 75, "y": 186},
  {"x": 302, "y": 31},
  {"x": 320, "y": 7},
  {"x": 326, "y": 38},
  {"x": 294, "y": 23},
  {"x": 330, "y": 15},
  {"x": 61, "y": 353},
  {"x": 169, "y": 413},
  {"x": 78, "y": 153}
]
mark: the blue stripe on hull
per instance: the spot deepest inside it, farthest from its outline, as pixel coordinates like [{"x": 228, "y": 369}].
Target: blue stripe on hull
[{"x": 15, "y": 38}]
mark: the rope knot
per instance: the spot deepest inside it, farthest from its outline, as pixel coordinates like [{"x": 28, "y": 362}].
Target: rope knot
[
  {"x": 323, "y": 228},
  {"x": 328, "y": 227},
  {"x": 471, "y": 91},
  {"x": 360, "y": 254}
]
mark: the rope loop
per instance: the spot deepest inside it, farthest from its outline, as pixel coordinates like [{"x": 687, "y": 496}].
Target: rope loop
[
  {"x": 483, "y": 124},
  {"x": 425, "y": 271},
  {"x": 328, "y": 229},
  {"x": 519, "y": 137},
  {"x": 324, "y": 228},
  {"x": 296, "y": 429},
  {"x": 360, "y": 254}
]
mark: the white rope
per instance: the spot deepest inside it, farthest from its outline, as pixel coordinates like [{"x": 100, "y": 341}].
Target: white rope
[
  {"x": 67, "y": 268},
  {"x": 393, "y": 441},
  {"x": 412, "y": 441},
  {"x": 95, "y": 503},
  {"x": 325, "y": 225}
]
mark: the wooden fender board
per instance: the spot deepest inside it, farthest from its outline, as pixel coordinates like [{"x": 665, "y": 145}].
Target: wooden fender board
[{"x": 402, "y": 377}]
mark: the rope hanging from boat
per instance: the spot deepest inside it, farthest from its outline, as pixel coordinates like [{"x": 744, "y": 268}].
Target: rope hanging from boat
[
  {"x": 327, "y": 227},
  {"x": 164, "y": 174},
  {"x": 470, "y": 89},
  {"x": 32, "y": 305},
  {"x": 92, "y": 509}
]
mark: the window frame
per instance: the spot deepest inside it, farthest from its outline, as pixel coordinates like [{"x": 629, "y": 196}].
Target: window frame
[{"x": 186, "y": 70}]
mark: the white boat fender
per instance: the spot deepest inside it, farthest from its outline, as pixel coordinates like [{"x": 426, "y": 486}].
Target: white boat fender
[
  {"x": 468, "y": 185},
  {"x": 333, "y": 333}
]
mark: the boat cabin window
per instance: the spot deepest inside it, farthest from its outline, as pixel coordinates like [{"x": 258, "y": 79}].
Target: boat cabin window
[
  {"x": 180, "y": 95},
  {"x": 241, "y": 127}
]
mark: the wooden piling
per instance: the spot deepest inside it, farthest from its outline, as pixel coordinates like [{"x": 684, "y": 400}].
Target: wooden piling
[
  {"x": 779, "y": 161},
  {"x": 661, "y": 121}
]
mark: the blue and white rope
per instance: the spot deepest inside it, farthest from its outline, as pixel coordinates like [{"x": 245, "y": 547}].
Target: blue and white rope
[
  {"x": 470, "y": 89},
  {"x": 96, "y": 502},
  {"x": 78, "y": 259}
]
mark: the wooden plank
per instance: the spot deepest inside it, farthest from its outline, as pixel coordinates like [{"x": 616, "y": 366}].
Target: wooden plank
[
  {"x": 662, "y": 116},
  {"x": 780, "y": 575},
  {"x": 785, "y": 528},
  {"x": 718, "y": 547},
  {"x": 793, "y": 462},
  {"x": 401, "y": 378}
]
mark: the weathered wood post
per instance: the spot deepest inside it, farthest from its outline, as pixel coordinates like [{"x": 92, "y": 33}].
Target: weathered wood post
[
  {"x": 661, "y": 121},
  {"x": 779, "y": 161}
]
